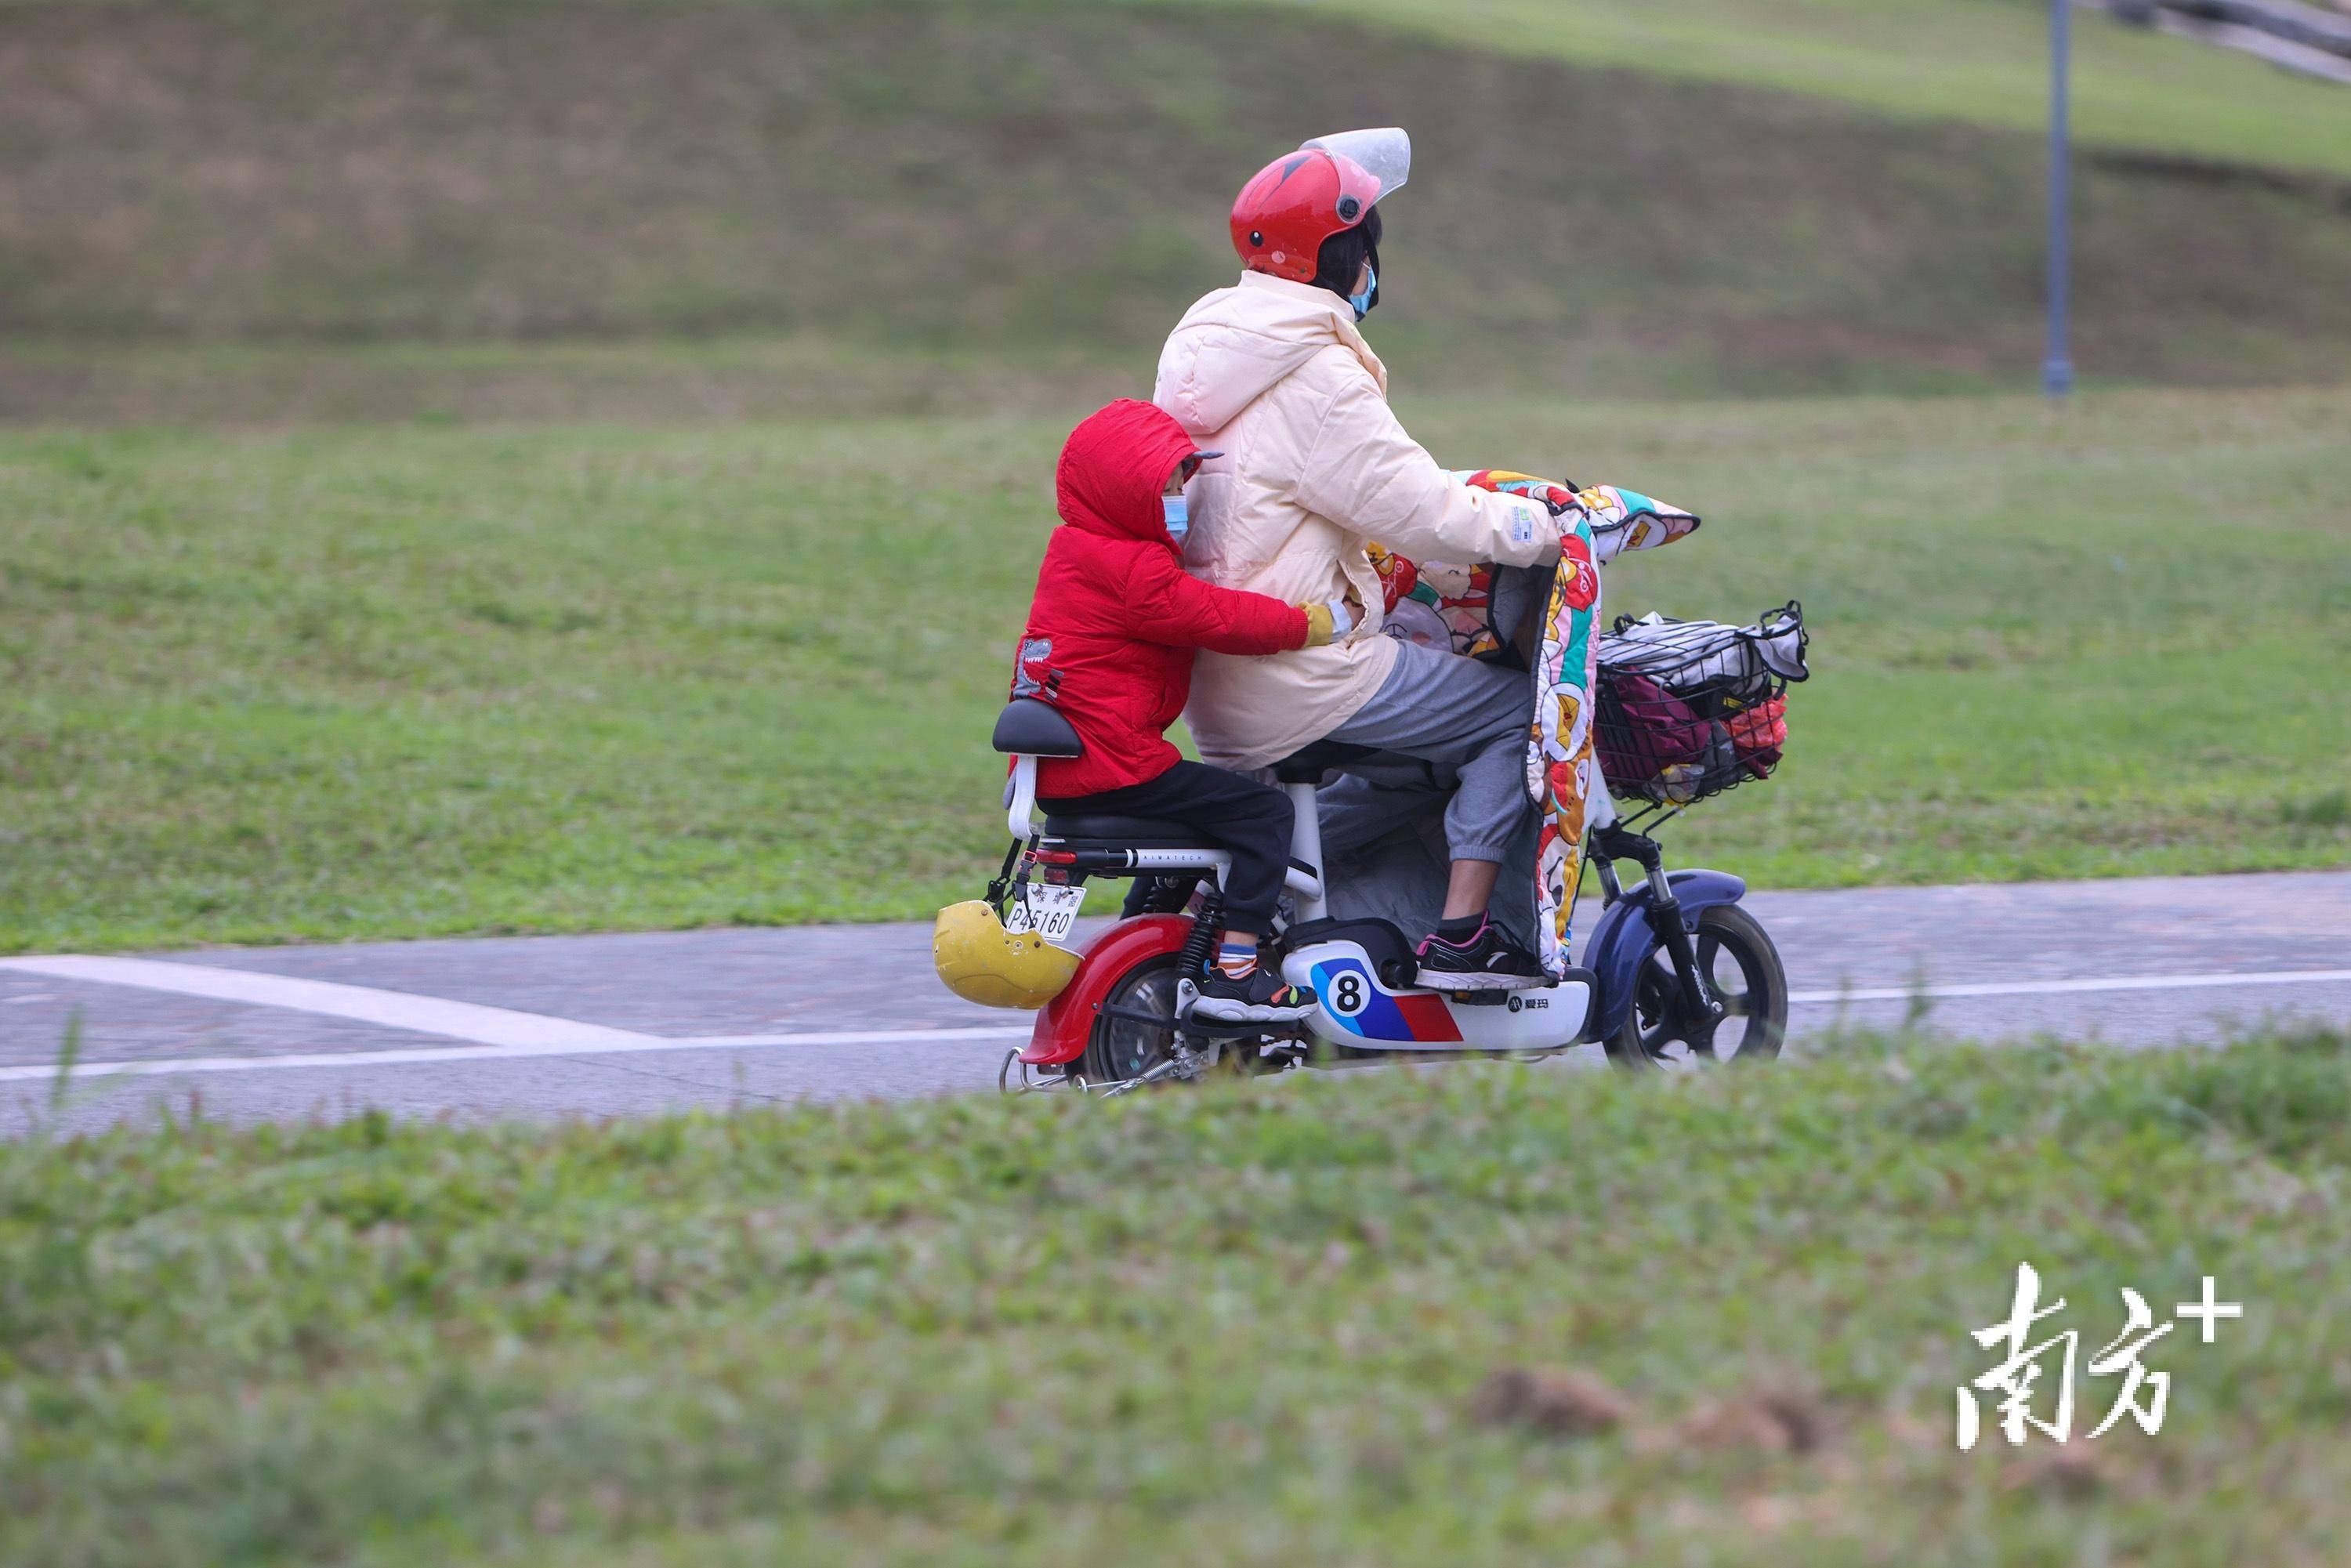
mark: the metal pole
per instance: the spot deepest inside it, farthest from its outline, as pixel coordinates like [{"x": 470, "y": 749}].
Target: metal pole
[{"x": 2057, "y": 368}]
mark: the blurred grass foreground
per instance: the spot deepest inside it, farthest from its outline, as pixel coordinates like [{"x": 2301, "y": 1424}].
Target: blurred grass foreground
[{"x": 1358, "y": 1321}]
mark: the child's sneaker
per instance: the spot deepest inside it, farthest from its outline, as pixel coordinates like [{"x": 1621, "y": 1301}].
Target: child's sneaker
[
  {"x": 1258, "y": 996},
  {"x": 1488, "y": 960}
]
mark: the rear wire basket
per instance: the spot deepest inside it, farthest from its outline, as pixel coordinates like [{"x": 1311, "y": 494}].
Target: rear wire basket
[{"x": 1689, "y": 708}]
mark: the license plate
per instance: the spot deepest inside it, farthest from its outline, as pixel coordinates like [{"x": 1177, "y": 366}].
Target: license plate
[{"x": 1050, "y": 912}]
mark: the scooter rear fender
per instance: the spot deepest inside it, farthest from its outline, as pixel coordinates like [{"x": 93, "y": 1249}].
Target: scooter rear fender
[
  {"x": 1624, "y": 937},
  {"x": 1067, "y": 1021}
]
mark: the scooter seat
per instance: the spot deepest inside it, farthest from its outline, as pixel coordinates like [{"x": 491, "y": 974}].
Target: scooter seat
[
  {"x": 1128, "y": 832},
  {"x": 1309, "y": 763}
]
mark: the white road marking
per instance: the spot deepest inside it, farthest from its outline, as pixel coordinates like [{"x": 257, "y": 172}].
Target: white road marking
[
  {"x": 172, "y": 1066},
  {"x": 394, "y": 1010},
  {"x": 502, "y": 1035},
  {"x": 2065, "y": 987}
]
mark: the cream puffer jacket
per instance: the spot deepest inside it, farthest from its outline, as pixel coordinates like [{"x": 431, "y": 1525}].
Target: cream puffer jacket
[{"x": 1274, "y": 375}]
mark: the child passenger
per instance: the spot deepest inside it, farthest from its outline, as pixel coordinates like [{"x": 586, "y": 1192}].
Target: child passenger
[{"x": 1109, "y": 642}]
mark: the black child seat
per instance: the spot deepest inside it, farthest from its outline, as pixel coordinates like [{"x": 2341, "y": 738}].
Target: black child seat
[
  {"x": 1109, "y": 844},
  {"x": 1028, "y": 727},
  {"x": 1305, "y": 766},
  {"x": 1031, "y": 728},
  {"x": 1127, "y": 832}
]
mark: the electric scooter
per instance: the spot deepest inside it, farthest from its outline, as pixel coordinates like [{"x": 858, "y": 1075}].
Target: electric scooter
[{"x": 1676, "y": 974}]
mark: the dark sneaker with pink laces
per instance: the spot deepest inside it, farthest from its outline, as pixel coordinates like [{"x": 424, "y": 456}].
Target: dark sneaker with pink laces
[{"x": 1488, "y": 961}]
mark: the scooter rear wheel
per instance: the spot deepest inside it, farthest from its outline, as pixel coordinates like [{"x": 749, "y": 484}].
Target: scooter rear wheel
[
  {"x": 1120, "y": 1049},
  {"x": 1736, "y": 956}
]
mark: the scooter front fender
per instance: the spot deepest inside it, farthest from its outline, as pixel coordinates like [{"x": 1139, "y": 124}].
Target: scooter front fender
[
  {"x": 1624, "y": 937},
  {"x": 1068, "y": 1020}
]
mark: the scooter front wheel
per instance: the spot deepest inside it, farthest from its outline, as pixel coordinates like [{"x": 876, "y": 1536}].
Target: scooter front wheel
[{"x": 1738, "y": 960}]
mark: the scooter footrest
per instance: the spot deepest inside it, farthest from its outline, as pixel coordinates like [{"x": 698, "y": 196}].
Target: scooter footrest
[
  {"x": 1132, "y": 1015},
  {"x": 1239, "y": 1029},
  {"x": 1486, "y": 990},
  {"x": 1206, "y": 1028}
]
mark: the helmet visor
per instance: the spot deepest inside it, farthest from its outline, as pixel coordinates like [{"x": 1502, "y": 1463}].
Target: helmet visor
[{"x": 1384, "y": 154}]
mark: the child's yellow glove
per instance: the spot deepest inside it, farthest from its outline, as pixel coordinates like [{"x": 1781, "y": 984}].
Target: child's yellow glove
[{"x": 1327, "y": 622}]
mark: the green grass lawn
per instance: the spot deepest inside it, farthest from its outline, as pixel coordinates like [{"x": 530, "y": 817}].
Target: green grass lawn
[
  {"x": 393, "y": 681},
  {"x": 259, "y": 214},
  {"x": 1311, "y": 1321}
]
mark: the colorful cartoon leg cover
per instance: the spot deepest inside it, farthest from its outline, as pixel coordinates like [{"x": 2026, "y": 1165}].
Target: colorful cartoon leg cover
[{"x": 1561, "y": 770}]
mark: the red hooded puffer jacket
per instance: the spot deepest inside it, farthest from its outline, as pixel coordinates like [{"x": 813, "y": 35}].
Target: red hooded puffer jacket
[{"x": 1116, "y": 620}]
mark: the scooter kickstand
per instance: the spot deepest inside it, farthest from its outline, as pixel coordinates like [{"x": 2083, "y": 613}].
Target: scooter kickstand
[{"x": 1186, "y": 1063}]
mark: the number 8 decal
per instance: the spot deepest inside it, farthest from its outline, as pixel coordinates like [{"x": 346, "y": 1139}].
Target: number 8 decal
[{"x": 1347, "y": 994}]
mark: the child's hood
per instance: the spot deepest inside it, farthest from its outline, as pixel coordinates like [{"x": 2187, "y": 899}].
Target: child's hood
[{"x": 1113, "y": 467}]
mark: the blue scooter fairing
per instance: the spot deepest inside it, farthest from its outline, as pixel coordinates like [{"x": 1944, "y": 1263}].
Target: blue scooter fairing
[{"x": 1624, "y": 937}]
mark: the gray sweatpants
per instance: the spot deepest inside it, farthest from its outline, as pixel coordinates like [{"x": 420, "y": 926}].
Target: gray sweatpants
[{"x": 1468, "y": 722}]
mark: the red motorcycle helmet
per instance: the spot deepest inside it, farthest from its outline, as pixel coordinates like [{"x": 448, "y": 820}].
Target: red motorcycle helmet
[{"x": 1283, "y": 214}]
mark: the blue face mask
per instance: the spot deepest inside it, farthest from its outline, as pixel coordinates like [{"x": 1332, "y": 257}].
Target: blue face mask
[
  {"x": 1179, "y": 517},
  {"x": 1370, "y": 296}
]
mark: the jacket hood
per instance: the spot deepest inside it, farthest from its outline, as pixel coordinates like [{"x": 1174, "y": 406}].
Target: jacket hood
[
  {"x": 1112, "y": 468},
  {"x": 1237, "y": 342}
]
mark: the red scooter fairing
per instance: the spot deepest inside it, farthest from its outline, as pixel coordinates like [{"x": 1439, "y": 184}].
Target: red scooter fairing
[{"x": 1068, "y": 1020}]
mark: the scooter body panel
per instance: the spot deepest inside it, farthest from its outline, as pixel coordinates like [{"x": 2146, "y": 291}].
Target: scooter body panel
[
  {"x": 1357, "y": 1009},
  {"x": 1067, "y": 1021},
  {"x": 1621, "y": 943}
]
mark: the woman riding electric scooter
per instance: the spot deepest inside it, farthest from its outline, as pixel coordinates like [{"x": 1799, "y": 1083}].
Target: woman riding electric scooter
[{"x": 1274, "y": 374}]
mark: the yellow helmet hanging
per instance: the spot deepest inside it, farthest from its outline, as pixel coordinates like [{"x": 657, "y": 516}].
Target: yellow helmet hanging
[{"x": 982, "y": 962}]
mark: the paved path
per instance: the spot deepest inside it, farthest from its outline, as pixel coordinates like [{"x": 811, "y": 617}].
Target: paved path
[{"x": 550, "y": 1026}]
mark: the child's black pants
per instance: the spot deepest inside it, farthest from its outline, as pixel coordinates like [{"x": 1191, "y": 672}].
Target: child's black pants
[{"x": 1251, "y": 820}]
